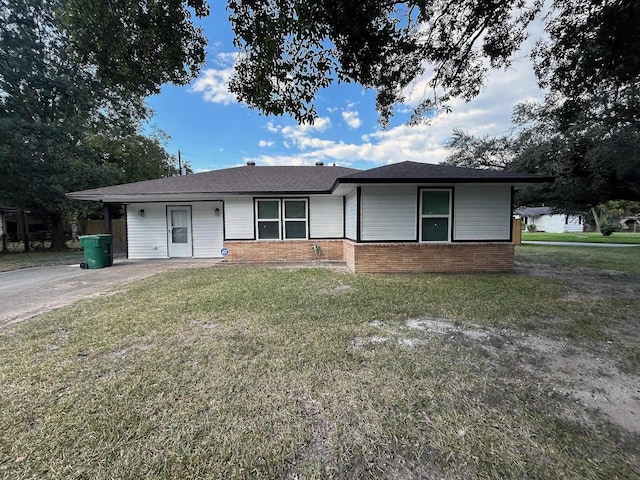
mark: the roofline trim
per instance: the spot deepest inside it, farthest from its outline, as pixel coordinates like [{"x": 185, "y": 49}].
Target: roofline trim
[{"x": 512, "y": 180}]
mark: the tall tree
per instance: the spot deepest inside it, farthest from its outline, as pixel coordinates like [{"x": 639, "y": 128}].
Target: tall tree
[
  {"x": 52, "y": 109},
  {"x": 586, "y": 133},
  {"x": 137, "y": 45}
]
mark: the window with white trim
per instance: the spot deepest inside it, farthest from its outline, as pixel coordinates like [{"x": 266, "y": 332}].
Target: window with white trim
[
  {"x": 282, "y": 218},
  {"x": 435, "y": 215}
]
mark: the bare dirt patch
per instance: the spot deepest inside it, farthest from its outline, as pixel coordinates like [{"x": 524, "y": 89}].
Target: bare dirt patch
[
  {"x": 593, "y": 382},
  {"x": 593, "y": 281}
]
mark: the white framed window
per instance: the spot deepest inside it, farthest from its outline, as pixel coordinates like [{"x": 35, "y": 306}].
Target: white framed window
[
  {"x": 435, "y": 215},
  {"x": 278, "y": 219},
  {"x": 295, "y": 219},
  {"x": 268, "y": 219}
]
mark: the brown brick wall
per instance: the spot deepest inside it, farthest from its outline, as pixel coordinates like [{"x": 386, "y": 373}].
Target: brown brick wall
[
  {"x": 283, "y": 251},
  {"x": 349, "y": 254},
  {"x": 414, "y": 258},
  {"x": 381, "y": 257}
]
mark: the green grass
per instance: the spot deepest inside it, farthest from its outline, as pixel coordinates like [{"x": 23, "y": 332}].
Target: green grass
[
  {"x": 239, "y": 373},
  {"x": 588, "y": 237},
  {"x": 17, "y": 260},
  {"x": 625, "y": 259}
]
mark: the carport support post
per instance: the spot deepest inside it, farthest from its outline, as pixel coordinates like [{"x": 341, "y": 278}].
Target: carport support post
[{"x": 106, "y": 213}]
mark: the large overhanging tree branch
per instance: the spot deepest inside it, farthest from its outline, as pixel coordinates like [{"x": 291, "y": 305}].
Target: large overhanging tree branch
[
  {"x": 138, "y": 44},
  {"x": 290, "y": 49}
]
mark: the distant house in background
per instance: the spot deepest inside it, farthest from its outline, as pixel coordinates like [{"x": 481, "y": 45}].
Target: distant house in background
[
  {"x": 403, "y": 217},
  {"x": 545, "y": 220}
]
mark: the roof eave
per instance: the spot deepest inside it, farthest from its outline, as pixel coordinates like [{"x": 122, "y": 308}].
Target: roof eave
[{"x": 183, "y": 197}]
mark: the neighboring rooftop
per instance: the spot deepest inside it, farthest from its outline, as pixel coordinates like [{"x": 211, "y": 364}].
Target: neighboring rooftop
[{"x": 534, "y": 211}]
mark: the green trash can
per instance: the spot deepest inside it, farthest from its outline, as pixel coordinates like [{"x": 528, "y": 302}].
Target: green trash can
[{"x": 98, "y": 250}]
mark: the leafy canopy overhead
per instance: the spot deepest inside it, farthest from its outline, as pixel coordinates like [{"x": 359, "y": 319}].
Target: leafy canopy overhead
[
  {"x": 138, "y": 44},
  {"x": 586, "y": 133},
  {"x": 292, "y": 48},
  {"x": 62, "y": 126}
]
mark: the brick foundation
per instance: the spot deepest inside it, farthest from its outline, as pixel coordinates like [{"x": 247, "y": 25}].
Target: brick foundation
[
  {"x": 436, "y": 258},
  {"x": 288, "y": 251},
  {"x": 381, "y": 257}
]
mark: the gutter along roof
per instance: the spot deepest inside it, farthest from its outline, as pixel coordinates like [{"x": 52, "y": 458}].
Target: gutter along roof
[{"x": 292, "y": 180}]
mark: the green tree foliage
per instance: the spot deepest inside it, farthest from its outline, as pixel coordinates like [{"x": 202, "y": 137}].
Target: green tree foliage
[
  {"x": 586, "y": 133},
  {"x": 492, "y": 153},
  {"x": 137, "y": 45},
  {"x": 53, "y": 111},
  {"x": 591, "y": 160},
  {"x": 292, "y": 48}
]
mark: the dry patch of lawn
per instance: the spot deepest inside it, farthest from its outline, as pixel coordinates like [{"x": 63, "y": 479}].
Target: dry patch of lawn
[{"x": 234, "y": 372}]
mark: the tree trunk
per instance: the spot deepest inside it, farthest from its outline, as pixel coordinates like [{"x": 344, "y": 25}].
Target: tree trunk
[
  {"x": 596, "y": 218},
  {"x": 57, "y": 232},
  {"x": 24, "y": 226}
]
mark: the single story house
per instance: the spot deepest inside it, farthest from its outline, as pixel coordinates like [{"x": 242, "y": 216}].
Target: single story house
[
  {"x": 403, "y": 217},
  {"x": 545, "y": 220}
]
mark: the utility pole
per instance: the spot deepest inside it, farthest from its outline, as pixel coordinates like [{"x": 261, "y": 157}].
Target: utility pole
[{"x": 179, "y": 163}]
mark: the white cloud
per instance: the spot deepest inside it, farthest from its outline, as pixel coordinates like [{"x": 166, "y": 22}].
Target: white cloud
[
  {"x": 351, "y": 118},
  {"x": 266, "y": 143},
  {"x": 487, "y": 114},
  {"x": 225, "y": 59},
  {"x": 214, "y": 83}
]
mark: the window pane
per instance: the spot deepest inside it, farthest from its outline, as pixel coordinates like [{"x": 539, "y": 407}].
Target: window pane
[
  {"x": 435, "y": 229},
  {"x": 268, "y": 230},
  {"x": 179, "y": 235},
  {"x": 294, "y": 209},
  {"x": 268, "y": 209},
  {"x": 179, "y": 218},
  {"x": 435, "y": 202},
  {"x": 295, "y": 229}
]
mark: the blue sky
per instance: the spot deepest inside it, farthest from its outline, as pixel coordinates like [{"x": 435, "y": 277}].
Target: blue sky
[{"x": 212, "y": 130}]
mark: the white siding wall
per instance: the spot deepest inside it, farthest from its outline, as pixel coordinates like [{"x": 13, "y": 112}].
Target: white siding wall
[
  {"x": 351, "y": 222},
  {"x": 556, "y": 223},
  {"x": 238, "y": 218},
  {"x": 389, "y": 213},
  {"x": 482, "y": 212},
  {"x": 147, "y": 236},
  {"x": 326, "y": 219},
  {"x": 574, "y": 224},
  {"x": 207, "y": 229}
]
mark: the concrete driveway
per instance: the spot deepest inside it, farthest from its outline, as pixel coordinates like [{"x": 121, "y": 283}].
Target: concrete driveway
[{"x": 32, "y": 291}]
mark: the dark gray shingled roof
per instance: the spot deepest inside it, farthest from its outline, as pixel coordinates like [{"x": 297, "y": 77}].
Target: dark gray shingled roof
[
  {"x": 238, "y": 180},
  {"x": 405, "y": 172},
  {"x": 257, "y": 180},
  {"x": 534, "y": 211}
]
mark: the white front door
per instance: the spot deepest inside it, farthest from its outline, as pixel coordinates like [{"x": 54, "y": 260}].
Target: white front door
[{"x": 179, "y": 234}]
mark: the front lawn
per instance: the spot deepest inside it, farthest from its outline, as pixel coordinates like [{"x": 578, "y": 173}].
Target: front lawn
[
  {"x": 623, "y": 259},
  {"x": 587, "y": 237},
  {"x": 244, "y": 372},
  {"x": 17, "y": 260}
]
